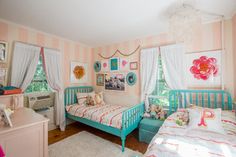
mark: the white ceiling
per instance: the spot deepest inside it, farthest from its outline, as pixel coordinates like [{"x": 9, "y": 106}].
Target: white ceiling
[{"x": 99, "y": 22}]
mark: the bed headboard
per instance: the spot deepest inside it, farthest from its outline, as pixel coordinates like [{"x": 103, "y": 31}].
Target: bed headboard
[
  {"x": 204, "y": 98},
  {"x": 70, "y": 93}
]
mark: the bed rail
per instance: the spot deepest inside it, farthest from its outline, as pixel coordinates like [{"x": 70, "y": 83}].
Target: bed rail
[
  {"x": 204, "y": 98},
  {"x": 70, "y": 93},
  {"x": 132, "y": 116},
  {"x": 130, "y": 121}
]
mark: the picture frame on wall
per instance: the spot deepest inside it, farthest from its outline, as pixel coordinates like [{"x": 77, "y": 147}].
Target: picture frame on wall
[
  {"x": 204, "y": 70},
  {"x": 114, "y": 64},
  {"x": 115, "y": 82},
  {"x": 105, "y": 65},
  {"x": 124, "y": 64},
  {"x": 133, "y": 65},
  {"x": 78, "y": 72},
  {"x": 3, "y": 51},
  {"x": 100, "y": 78},
  {"x": 3, "y": 76}
]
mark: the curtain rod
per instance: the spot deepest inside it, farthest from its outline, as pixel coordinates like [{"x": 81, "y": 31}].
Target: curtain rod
[
  {"x": 203, "y": 51},
  {"x": 35, "y": 45},
  {"x": 160, "y": 45},
  {"x": 173, "y": 43}
]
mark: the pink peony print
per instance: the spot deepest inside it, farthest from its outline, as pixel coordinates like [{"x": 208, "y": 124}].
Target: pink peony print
[
  {"x": 204, "y": 67},
  {"x": 124, "y": 62},
  {"x": 104, "y": 65}
]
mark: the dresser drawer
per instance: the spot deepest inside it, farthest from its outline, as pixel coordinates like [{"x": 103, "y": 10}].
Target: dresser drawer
[{"x": 28, "y": 137}]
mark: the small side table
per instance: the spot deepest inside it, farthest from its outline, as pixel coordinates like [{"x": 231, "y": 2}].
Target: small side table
[{"x": 148, "y": 129}]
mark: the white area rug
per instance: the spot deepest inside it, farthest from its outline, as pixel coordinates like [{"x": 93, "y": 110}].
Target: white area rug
[{"x": 85, "y": 144}]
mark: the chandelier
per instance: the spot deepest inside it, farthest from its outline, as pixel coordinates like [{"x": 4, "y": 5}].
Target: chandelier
[{"x": 184, "y": 22}]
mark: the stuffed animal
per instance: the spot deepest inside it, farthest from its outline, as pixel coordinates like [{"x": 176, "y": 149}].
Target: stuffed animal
[
  {"x": 89, "y": 101},
  {"x": 162, "y": 114},
  {"x": 98, "y": 98},
  {"x": 155, "y": 112},
  {"x": 182, "y": 118}
]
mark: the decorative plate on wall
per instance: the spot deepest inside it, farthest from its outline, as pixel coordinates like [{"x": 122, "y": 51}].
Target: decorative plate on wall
[
  {"x": 97, "y": 66},
  {"x": 131, "y": 78}
]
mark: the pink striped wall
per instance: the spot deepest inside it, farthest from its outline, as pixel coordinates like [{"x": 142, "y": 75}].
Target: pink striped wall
[
  {"x": 71, "y": 51},
  {"x": 207, "y": 37},
  {"x": 234, "y": 49}
]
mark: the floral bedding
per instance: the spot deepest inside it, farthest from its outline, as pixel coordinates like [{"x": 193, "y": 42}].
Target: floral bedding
[
  {"x": 110, "y": 115},
  {"x": 173, "y": 140}
]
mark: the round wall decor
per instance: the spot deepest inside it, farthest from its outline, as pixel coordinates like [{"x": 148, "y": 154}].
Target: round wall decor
[
  {"x": 131, "y": 78},
  {"x": 97, "y": 66}
]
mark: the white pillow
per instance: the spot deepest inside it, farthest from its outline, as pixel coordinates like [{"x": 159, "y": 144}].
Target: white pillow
[
  {"x": 205, "y": 119},
  {"x": 81, "y": 97}
]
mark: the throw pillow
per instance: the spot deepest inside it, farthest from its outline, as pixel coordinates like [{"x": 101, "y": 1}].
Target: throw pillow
[
  {"x": 98, "y": 99},
  {"x": 81, "y": 97},
  {"x": 206, "y": 119}
]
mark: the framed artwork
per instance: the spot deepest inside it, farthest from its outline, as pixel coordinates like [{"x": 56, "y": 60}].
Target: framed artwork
[
  {"x": 5, "y": 115},
  {"x": 115, "y": 82},
  {"x": 100, "y": 79},
  {"x": 131, "y": 78},
  {"x": 105, "y": 65},
  {"x": 3, "y": 76},
  {"x": 133, "y": 65},
  {"x": 3, "y": 51},
  {"x": 124, "y": 64},
  {"x": 204, "y": 70},
  {"x": 97, "y": 66},
  {"x": 114, "y": 64},
  {"x": 78, "y": 72}
]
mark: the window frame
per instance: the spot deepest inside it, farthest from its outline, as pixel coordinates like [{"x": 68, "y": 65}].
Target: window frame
[
  {"x": 43, "y": 79},
  {"x": 160, "y": 77}
]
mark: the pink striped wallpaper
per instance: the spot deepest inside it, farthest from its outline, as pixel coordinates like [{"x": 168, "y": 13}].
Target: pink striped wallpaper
[
  {"x": 72, "y": 51},
  {"x": 234, "y": 49},
  {"x": 207, "y": 37}
]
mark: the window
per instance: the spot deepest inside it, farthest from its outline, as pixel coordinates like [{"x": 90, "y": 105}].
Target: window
[
  {"x": 160, "y": 95},
  {"x": 39, "y": 82}
]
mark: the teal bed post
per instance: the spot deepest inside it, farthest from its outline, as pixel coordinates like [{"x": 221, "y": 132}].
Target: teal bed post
[{"x": 123, "y": 138}]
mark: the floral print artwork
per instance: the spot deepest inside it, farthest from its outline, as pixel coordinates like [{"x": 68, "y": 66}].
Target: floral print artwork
[{"x": 204, "y": 67}]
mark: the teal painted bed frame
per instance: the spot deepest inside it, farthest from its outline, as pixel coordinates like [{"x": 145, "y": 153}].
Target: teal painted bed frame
[
  {"x": 204, "y": 98},
  {"x": 130, "y": 117}
]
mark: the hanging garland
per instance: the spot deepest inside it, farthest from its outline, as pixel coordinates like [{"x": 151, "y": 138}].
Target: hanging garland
[{"x": 118, "y": 51}]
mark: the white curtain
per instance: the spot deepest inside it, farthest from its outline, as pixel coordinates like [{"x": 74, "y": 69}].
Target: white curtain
[
  {"x": 148, "y": 70},
  {"x": 52, "y": 66},
  {"x": 173, "y": 62},
  {"x": 24, "y": 64}
]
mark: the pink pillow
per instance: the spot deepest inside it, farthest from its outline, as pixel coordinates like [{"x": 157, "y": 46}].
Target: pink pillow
[{"x": 205, "y": 119}]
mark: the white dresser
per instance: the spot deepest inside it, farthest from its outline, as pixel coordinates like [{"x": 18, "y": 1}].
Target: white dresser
[{"x": 28, "y": 137}]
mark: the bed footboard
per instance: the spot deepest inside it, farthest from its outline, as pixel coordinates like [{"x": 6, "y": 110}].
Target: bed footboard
[{"x": 130, "y": 121}]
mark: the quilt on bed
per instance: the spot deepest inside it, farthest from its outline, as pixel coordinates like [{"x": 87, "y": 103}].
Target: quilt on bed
[
  {"x": 110, "y": 115},
  {"x": 173, "y": 140}
]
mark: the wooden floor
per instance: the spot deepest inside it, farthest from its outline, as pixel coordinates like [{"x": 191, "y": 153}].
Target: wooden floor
[{"x": 131, "y": 140}]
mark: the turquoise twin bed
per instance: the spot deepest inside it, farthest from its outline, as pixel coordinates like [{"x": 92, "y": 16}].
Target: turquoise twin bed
[
  {"x": 130, "y": 117},
  {"x": 208, "y": 132}
]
